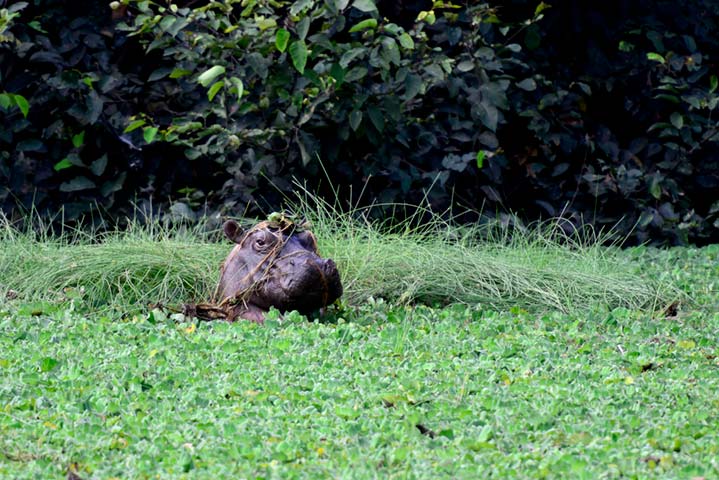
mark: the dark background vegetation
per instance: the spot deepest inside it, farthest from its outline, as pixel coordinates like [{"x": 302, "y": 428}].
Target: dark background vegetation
[{"x": 599, "y": 112}]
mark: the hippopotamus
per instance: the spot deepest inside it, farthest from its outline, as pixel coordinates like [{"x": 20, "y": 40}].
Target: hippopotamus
[{"x": 274, "y": 264}]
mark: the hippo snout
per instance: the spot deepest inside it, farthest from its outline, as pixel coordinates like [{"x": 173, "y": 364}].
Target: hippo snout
[{"x": 309, "y": 282}]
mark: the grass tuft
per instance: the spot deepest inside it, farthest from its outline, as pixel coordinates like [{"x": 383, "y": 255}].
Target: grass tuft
[{"x": 416, "y": 261}]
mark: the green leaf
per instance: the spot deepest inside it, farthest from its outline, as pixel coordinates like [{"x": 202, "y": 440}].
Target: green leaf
[
  {"x": 480, "y": 158},
  {"x": 149, "y": 133},
  {"x": 412, "y": 86},
  {"x": 355, "y": 74},
  {"x": 298, "y": 53},
  {"x": 237, "y": 88},
  {"x": 158, "y": 74},
  {"x": 113, "y": 185},
  {"x": 355, "y": 119},
  {"x": 30, "y": 145},
  {"x": 528, "y": 84},
  {"x": 98, "y": 166},
  {"x": 376, "y": 117},
  {"x": 341, "y": 4},
  {"x": 5, "y": 101},
  {"x": 655, "y": 57},
  {"x": 677, "y": 120},
  {"x": 302, "y": 28},
  {"x": 47, "y": 364},
  {"x": 654, "y": 188},
  {"x": 77, "y": 184},
  {"x": 209, "y": 75},
  {"x": 134, "y": 125},
  {"x": 365, "y": 5},
  {"x": 625, "y": 46},
  {"x": 713, "y": 83},
  {"x": 390, "y": 50},
  {"x": 79, "y": 139},
  {"x": 282, "y": 37},
  {"x": 265, "y": 23},
  {"x": 364, "y": 25},
  {"x": 179, "y": 73},
  {"x": 16, "y": 7},
  {"x": 540, "y": 8},
  {"x": 22, "y": 104},
  {"x": 214, "y": 89},
  {"x": 62, "y": 165},
  {"x": 406, "y": 41},
  {"x": 338, "y": 73},
  {"x": 299, "y": 6}
]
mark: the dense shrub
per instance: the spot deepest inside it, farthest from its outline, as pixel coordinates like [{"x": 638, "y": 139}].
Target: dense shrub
[{"x": 599, "y": 113}]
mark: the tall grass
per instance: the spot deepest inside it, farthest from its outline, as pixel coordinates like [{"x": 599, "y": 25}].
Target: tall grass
[
  {"x": 430, "y": 260},
  {"x": 421, "y": 259}
]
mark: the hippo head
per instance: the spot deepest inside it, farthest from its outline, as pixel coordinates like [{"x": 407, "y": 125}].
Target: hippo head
[{"x": 275, "y": 264}]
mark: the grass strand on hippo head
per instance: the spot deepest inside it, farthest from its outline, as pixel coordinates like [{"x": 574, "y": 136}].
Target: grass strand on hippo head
[{"x": 433, "y": 262}]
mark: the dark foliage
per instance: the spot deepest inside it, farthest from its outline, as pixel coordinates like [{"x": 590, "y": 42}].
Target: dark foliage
[{"x": 598, "y": 112}]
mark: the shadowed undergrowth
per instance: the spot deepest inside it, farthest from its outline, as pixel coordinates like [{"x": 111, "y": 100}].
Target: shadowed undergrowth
[{"x": 434, "y": 262}]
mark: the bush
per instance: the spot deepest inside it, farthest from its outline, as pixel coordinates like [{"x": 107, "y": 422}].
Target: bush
[{"x": 570, "y": 113}]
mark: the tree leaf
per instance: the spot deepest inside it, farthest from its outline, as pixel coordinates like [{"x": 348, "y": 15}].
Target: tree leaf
[
  {"x": 355, "y": 74},
  {"x": 179, "y": 73},
  {"x": 16, "y": 7},
  {"x": 713, "y": 83},
  {"x": 355, "y": 119},
  {"x": 149, "y": 133},
  {"x": 338, "y": 73},
  {"x": 209, "y": 75},
  {"x": 79, "y": 139},
  {"x": 5, "y": 101},
  {"x": 655, "y": 188},
  {"x": 528, "y": 84},
  {"x": 282, "y": 37},
  {"x": 488, "y": 115},
  {"x": 480, "y": 158},
  {"x": 134, "y": 125},
  {"x": 412, "y": 86},
  {"x": 98, "y": 166},
  {"x": 350, "y": 55},
  {"x": 238, "y": 87},
  {"x": 298, "y": 53},
  {"x": 214, "y": 89},
  {"x": 62, "y": 165},
  {"x": 341, "y": 4},
  {"x": 677, "y": 120},
  {"x": 30, "y": 145},
  {"x": 77, "y": 184},
  {"x": 365, "y": 5},
  {"x": 299, "y": 6},
  {"x": 364, "y": 25},
  {"x": 655, "y": 57},
  {"x": 22, "y": 104},
  {"x": 406, "y": 41},
  {"x": 540, "y": 8},
  {"x": 159, "y": 74},
  {"x": 113, "y": 185},
  {"x": 390, "y": 50},
  {"x": 376, "y": 117},
  {"x": 302, "y": 27}
]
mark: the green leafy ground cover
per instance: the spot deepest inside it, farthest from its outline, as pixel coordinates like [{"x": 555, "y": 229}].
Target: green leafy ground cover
[{"x": 386, "y": 391}]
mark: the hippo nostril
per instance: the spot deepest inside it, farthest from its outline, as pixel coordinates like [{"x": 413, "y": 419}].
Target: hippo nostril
[{"x": 329, "y": 267}]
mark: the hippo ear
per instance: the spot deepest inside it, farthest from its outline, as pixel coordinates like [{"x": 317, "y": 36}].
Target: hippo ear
[
  {"x": 233, "y": 230},
  {"x": 308, "y": 240}
]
